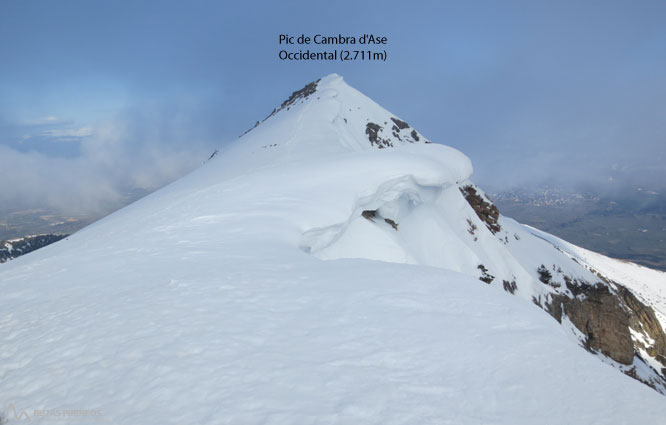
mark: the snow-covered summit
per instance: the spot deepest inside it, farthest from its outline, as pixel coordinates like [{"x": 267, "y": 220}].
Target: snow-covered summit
[
  {"x": 350, "y": 112},
  {"x": 321, "y": 269},
  {"x": 328, "y": 116}
]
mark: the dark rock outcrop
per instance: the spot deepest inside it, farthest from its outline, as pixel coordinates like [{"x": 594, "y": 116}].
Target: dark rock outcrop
[
  {"x": 604, "y": 323},
  {"x": 392, "y": 223},
  {"x": 303, "y": 93},
  {"x": 372, "y": 130},
  {"x": 643, "y": 319},
  {"x": 400, "y": 132},
  {"x": 13, "y": 248},
  {"x": 401, "y": 125},
  {"x": 483, "y": 208},
  {"x": 598, "y": 314},
  {"x": 605, "y": 313},
  {"x": 510, "y": 287},
  {"x": 485, "y": 276},
  {"x": 372, "y": 214},
  {"x": 369, "y": 214}
]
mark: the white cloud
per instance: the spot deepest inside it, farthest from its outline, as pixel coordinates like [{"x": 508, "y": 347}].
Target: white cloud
[
  {"x": 50, "y": 119},
  {"x": 69, "y": 133},
  {"x": 135, "y": 149}
]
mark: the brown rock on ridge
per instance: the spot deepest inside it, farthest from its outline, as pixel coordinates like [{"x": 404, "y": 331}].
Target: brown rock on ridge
[
  {"x": 605, "y": 324},
  {"x": 372, "y": 130},
  {"x": 484, "y": 209},
  {"x": 303, "y": 93},
  {"x": 605, "y": 316},
  {"x": 642, "y": 318}
]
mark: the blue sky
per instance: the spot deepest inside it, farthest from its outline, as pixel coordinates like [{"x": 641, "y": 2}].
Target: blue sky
[{"x": 97, "y": 97}]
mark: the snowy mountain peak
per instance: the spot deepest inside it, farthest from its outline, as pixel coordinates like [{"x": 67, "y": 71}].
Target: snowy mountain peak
[
  {"x": 222, "y": 282},
  {"x": 352, "y": 119}
]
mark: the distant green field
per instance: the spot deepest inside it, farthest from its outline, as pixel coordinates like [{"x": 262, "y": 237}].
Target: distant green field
[{"x": 18, "y": 222}]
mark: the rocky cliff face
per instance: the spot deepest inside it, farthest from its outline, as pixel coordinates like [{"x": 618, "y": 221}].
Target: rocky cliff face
[
  {"x": 483, "y": 207},
  {"x": 609, "y": 319},
  {"x": 612, "y": 322},
  {"x": 13, "y": 248}
]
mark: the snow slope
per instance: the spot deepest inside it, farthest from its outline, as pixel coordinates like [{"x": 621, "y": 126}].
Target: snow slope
[
  {"x": 249, "y": 292},
  {"x": 647, "y": 283}
]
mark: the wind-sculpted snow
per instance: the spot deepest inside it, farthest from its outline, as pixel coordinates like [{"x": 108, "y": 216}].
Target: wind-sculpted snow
[
  {"x": 218, "y": 329},
  {"x": 208, "y": 301},
  {"x": 391, "y": 204}
]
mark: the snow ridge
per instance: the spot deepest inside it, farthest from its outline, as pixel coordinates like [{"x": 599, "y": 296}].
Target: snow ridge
[{"x": 209, "y": 301}]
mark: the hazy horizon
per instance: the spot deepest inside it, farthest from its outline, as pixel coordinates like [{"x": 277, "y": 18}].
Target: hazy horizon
[{"x": 97, "y": 99}]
